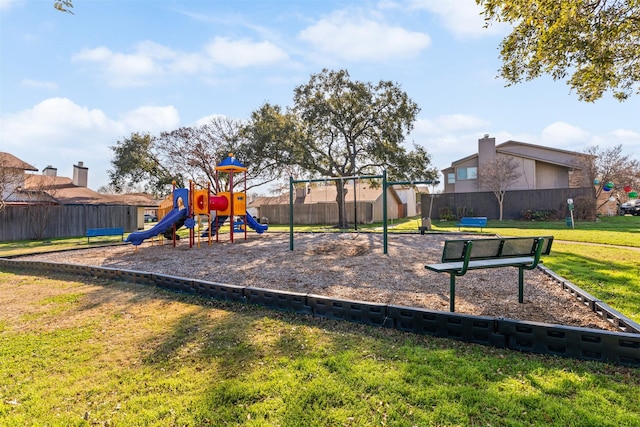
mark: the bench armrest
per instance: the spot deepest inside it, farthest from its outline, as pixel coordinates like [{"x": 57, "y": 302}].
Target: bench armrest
[{"x": 537, "y": 253}]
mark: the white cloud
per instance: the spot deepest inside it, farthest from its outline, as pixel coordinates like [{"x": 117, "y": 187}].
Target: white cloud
[
  {"x": 244, "y": 53},
  {"x": 564, "y": 135},
  {"x": 350, "y": 36},
  {"x": 461, "y": 17},
  {"x": 151, "y": 119},
  {"x": 123, "y": 70},
  {"x": 449, "y": 137},
  {"x": 59, "y": 132},
  {"x": 151, "y": 63},
  {"x": 51, "y": 122}
]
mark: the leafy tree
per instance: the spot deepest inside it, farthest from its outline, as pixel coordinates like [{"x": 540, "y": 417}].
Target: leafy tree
[
  {"x": 498, "y": 175},
  {"x": 274, "y": 137},
  {"x": 609, "y": 165},
  {"x": 595, "y": 43},
  {"x": 150, "y": 163},
  {"x": 64, "y": 6},
  {"x": 341, "y": 128},
  {"x": 139, "y": 163}
]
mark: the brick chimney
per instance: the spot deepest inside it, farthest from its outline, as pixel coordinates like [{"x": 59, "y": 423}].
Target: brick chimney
[
  {"x": 50, "y": 171},
  {"x": 80, "y": 175}
]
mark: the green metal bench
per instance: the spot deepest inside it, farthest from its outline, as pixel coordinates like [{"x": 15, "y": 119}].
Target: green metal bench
[
  {"x": 459, "y": 256},
  {"x": 98, "y": 232}
]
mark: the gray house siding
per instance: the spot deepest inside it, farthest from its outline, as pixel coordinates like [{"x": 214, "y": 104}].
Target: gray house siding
[{"x": 540, "y": 167}]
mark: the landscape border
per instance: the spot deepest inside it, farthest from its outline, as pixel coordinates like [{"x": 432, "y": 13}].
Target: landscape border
[{"x": 621, "y": 348}]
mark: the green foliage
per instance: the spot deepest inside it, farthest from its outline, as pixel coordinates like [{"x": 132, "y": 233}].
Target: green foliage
[
  {"x": 445, "y": 213},
  {"x": 355, "y": 128},
  {"x": 538, "y": 214},
  {"x": 138, "y": 162},
  {"x": 595, "y": 44},
  {"x": 463, "y": 211},
  {"x": 64, "y": 6}
]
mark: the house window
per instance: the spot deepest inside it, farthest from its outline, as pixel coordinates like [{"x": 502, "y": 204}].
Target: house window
[
  {"x": 451, "y": 178},
  {"x": 467, "y": 173}
]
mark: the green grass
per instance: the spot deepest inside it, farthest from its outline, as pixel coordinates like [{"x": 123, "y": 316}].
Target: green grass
[
  {"x": 610, "y": 274},
  {"x": 103, "y": 353}
]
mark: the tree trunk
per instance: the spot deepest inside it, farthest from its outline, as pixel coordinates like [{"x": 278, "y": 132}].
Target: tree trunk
[
  {"x": 340, "y": 200},
  {"x": 501, "y": 204}
]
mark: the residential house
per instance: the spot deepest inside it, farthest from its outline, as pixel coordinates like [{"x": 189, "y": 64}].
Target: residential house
[
  {"x": 548, "y": 177},
  {"x": 540, "y": 167},
  {"x": 12, "y": 176},
  {"x": 49, "y": 206}
]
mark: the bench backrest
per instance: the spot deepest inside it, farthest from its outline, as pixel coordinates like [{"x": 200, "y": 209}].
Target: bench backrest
[
  {"x": 474, "y": 220},
  {"x": 503, "y": 247},
  {"x": 95, "y": 232}
]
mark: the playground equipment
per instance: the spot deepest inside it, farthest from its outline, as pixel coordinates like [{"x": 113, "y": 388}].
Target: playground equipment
[
  {"x": 190, "y": 205},
  {"x": 385, "y": 185}
]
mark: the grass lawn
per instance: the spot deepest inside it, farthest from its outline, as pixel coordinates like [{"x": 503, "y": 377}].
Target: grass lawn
[
  {"x": 101, "y": 353},
  {"x": 95, "y": 352}
]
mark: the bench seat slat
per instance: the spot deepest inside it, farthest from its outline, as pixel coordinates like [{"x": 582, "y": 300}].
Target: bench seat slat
[{"x": 480, "y": 264}]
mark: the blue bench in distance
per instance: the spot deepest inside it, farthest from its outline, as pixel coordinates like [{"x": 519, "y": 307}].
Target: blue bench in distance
[
  {"x": 472, "y": 221},
  {"x": 459, "y": 256},
  {"x": 97, "y": 232}
]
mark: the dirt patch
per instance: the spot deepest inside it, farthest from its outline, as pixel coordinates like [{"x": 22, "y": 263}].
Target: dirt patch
[{"x": 350, "y": 266}]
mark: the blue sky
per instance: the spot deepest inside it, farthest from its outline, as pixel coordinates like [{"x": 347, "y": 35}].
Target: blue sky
[{"x": 71, "y": 86}]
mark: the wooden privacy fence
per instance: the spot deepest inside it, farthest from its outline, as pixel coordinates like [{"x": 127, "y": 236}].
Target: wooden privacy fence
[
  {"x": 516, "y": 201},
  {"x": 317, "y": 213},
  {"x": 29, "y": 222}
]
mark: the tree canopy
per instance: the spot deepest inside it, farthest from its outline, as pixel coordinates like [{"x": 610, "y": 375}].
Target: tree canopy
[
  {"x": 139, "y": 163},
  {"x": 338, "y": 127},
  {"x": 594, "y": 44},
  {"x": 152, "y": 163},
  {"x": 354, "y": 128}
]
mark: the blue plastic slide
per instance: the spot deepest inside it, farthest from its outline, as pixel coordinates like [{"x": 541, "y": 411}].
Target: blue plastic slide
[
  {"x": 172, "y": 217},
  {"x": 260, "y": 228}
]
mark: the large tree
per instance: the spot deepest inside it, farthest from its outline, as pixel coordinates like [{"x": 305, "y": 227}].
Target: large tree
[
  {"x": 339, "y": 127},
  {"x": 138, "y": 162},
  {"x": 497, "y": 176},
  {"x": 353, "y": 128},
  {"x": 593, "y": 43},
  {"x": 192, "y": 153}
]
